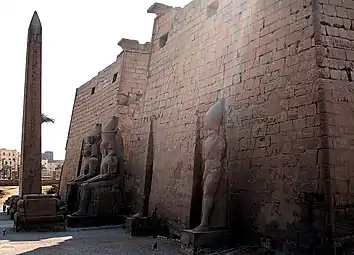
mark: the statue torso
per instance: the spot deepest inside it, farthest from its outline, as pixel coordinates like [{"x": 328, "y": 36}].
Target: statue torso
[{"x": 213, "y": 146}]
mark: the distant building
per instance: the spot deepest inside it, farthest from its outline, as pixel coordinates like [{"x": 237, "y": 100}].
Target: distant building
[
  {"x": 51, "y": 170},
  {"x": 9, "y": 163},
  {"x": 48, "y": 155}
]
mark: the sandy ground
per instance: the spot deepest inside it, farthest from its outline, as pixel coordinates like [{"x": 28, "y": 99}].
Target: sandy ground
[
  {"x": 100, "y": 241},
  {"x": 86, "y": 241},
  {"x": 8, "y": 191}
]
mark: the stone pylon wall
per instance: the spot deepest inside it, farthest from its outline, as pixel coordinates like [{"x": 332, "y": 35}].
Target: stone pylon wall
[
  {"x": 116, "y": 90},
  {"x": 259, "y": 55},
  {"x": 335, "y": 57},
  {"x": 285, "y": 70}
]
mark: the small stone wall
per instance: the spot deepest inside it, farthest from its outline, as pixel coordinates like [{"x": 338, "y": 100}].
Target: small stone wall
[{"x": 15, "y": 182}]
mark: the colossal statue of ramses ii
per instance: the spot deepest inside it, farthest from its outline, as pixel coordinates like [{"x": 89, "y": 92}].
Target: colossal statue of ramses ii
[
  {"x": 111, "y": 147},
  {"x": 214, "y": 150}
]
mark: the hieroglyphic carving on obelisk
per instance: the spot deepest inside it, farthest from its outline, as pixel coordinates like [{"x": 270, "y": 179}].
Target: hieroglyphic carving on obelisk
[{"x": 31, "y": 166}]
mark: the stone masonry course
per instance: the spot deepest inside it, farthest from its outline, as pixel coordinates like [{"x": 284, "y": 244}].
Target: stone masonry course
[{"x": 285, "y": 69}]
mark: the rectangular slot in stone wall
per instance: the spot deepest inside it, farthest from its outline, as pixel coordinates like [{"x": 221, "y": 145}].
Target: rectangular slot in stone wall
[{"x": 212, "y": 8}]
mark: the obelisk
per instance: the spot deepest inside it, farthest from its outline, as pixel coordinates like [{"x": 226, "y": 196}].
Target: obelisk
[{"x": 31, "y": 156}]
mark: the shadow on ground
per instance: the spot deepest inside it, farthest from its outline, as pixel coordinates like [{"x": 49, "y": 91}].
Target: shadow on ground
[
  {"x": 91, "y": 241},
  {"x": 116, "y": 244}
]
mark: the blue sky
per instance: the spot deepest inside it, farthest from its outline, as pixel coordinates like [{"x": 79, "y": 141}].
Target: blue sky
[{"x": 79, "y": 39}]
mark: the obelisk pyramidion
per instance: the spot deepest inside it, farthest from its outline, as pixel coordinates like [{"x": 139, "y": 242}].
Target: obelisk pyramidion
[{"x": 31, "y": 156}]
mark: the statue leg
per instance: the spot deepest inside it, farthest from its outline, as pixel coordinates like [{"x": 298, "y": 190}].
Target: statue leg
[
  {"x": 71, "y": 197},
  {"x": 211, "y": 184},
  {"x": 84, "y": 200}
]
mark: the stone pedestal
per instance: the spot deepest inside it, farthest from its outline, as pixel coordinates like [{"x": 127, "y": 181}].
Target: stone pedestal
[
  {"x": 193, "y": 242},
  {"x": 106, "y": 199},
  {"x": 93, "y": 221},
  {"x": 38, "y": 211},
  {"x": 140, "y": 226}
]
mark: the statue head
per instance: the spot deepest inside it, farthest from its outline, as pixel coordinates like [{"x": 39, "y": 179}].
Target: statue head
[
  {"x": 213, "y": 117},
  {"x": 87, "y": 150},
  {"x": 111, "y": 152},
  {"x": 95, "y": 134},
  {"x": 109, "y": 134},
  {"x": 111, "y": 126}
]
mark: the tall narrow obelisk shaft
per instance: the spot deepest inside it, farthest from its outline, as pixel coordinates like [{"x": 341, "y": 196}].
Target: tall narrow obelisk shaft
[{"x": 31, "y": 153}]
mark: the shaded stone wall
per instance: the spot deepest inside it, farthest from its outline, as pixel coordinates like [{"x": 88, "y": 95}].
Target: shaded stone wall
[
  {"x": 259, "y": 55},
  {"x": 336, "y": 56},
  {"x": 115, "y": 90}
]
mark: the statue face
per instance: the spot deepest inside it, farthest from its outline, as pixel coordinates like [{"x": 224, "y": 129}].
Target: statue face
[
  {"x": 90, "y": 139},
  {"x": 213, "y": 117},
  {"x": 87, "y": 151},
  {"x": 111, "y": 151},
  {"x": 104, "y": 144}
]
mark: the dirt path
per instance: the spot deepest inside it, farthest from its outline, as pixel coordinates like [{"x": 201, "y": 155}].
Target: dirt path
[{"x": 7, "y": 192}]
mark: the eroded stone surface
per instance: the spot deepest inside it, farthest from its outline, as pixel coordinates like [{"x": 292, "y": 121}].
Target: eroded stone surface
[
  {"x": 286, "y": 73},
  {"x": 31, "y": 154}
]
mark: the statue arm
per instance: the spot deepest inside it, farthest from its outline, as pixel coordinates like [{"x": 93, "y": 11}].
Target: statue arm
[
  {"x": 204, "y": 173},
  {"x": 95, "y": 178},
  {"x": 86, "y": 177},
  {"x": 203, "y": 167},
  {"x": 100, "y": 177},
  {"x": 82, "y": 178},
  {"x": 91, "y": 177}
]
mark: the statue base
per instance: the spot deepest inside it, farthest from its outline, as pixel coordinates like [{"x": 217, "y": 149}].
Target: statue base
[
  {"x": 77, "y": 221},
  {"x": 38, "y": 211},
  {"x": 140, "y": 226},
  {"x": 192, "y": 242}
]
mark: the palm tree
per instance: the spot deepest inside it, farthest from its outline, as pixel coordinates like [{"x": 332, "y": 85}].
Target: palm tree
[{"x": 46, "y": 119}]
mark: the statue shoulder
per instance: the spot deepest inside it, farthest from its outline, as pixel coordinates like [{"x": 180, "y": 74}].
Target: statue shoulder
[{"x": 92, "y": 159}]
